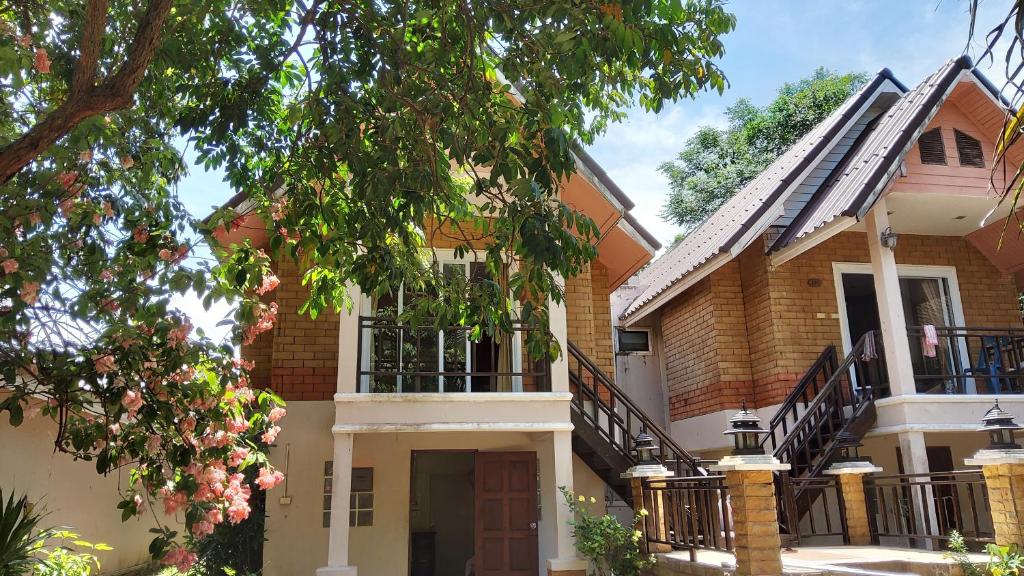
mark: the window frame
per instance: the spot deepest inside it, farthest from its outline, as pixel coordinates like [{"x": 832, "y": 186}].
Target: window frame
[
  {"x": 618, "y": 342},
  {"x": 941, "y": 144},
  {"x": 961, "y": 136}
]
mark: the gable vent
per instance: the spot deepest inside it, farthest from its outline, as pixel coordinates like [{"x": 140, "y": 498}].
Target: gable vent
[
  {"x": 932, "y": 149},
  {"x": 969, "y": 150}
]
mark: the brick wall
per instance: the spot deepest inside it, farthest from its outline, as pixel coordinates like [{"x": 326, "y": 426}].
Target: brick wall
[
  {"x": 749, "y": 331},
  {"x": 299, "y": 358},
  {"x": 601, "y": 304}
]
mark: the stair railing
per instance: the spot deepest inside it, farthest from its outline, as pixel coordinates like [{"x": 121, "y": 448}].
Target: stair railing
[
  {"x": 848, "y": 393},
  {"x": 800, "y": 397},
  {"x": 611, "y": 412}
]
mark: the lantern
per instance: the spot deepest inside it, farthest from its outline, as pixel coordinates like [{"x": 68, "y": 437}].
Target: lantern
[
  {"x": 1000, "y": 426},
  {"x": 848, "y": 446},
  {"x": 645, "y": 448},
  {"x": 746, "y": 432},
  {"x": 888, "y": 238}
]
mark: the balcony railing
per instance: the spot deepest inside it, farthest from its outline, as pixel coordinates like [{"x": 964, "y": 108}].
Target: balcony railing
[
  {"x": 397, "y": 357},
  {"x": 966, "y": 360}
]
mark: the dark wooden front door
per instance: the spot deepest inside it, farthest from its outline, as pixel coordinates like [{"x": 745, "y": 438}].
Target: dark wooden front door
[{"x": 506, "y": 514}]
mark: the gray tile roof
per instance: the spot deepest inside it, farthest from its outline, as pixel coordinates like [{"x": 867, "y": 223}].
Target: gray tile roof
[
  {"x": 723, "y": 229},
  {"x": 865, "y": 175}
]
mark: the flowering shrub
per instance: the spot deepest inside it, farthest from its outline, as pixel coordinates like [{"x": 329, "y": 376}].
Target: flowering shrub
[{"x": 612, "y": 548}]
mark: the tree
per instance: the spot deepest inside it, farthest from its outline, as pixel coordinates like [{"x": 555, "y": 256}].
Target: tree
[
  {"x": 342, "y": 122},
  {"x": 715, "y": 163}
]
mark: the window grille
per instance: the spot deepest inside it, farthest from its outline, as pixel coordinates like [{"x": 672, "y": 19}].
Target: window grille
[
  {"x": 968, "y": 149},
  {"x": 933, "y": 151}
]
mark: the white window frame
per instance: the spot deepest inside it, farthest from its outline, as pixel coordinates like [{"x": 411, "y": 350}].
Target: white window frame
[
  {"x": 444, "y": 256},
  {"x": 650, "y": 341},
  {"x": 947, "y": 273}
]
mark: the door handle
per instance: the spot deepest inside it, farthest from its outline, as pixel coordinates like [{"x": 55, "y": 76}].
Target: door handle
[{"x": 533, "y": 525}]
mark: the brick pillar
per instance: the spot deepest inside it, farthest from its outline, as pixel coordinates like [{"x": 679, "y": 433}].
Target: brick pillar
[
  {"x": 1004, "y": 480},
  {"x": 855, "y": 507},
  {"x": 755, "y": 513}
]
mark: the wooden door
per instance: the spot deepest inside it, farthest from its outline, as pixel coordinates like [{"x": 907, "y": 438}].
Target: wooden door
[{"x": 506, "y": 514}]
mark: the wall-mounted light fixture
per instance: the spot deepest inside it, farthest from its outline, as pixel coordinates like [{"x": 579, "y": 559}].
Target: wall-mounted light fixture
[{"x": 889, "y": 238}]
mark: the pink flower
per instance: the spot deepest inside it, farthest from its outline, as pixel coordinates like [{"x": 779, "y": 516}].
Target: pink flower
[
  {"x": 106, "y": 275},
  {"x": 127, "y": 161},
  {"x": 268, "y": 478},
  {"x": 214, "y": 516},
  {"x": 140, "y": 504},
  {"x": 202, "y": 529},
  {"x": 85, "y": 156},
  {"x": 10, "y": 266},
  {"x": 42, "y": 61},
  {"x": 104, "y": 364},
  {"x": 270, "y": 435},
  {"x": 24, "y": 40},
  {"x": 278, "y": 209},
  {"x": 179, "y": 558},
  {"x": 236, "y": 425},
  {"x": 67, "y": 179},
  {"x": 270, "y": 282},
  {"x": 238, "y": 363},
  {"x": 173, "y": 501},
  {"x": 29, "y": 292},
  {"x": 114, "y": 429},
  {"x": 238, "y": 455},
  {"x": 276, "y": 414},
  {"x": 140, "y": 234},
  {"x": 178, "y": 334},
  {"x": 108, "y": 209},
  {"x": 238, "y": 510},
  {"x": 165, "y": 255},
  {"x": 132, "y": 401}
]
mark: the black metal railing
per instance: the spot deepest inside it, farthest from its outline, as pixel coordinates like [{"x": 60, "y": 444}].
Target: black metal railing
[
  {"x": 800, "y": 397},
  {"x": 912, "y": 509},
  {"x": 966, "y": 360},
  {"x": 688, "y": 513},
  {"x": 849, "y": 392},
  {"x": 812, "y": 508},
  {"x": 397, "y": 357},
  {"x": 611, "y": 412}
]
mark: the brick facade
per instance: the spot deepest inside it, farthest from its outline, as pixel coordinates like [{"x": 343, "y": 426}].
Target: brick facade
[
  {"x": 589, "y": 317},
  {"x": 749, "y": 331}
]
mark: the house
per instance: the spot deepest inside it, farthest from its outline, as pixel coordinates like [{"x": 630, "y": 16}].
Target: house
[
  {"x": 403, "y": 460},
  {"x": 856, "y": 285}
]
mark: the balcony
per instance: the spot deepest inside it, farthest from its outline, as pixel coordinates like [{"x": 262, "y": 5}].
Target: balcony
[
  {"x": 967, "y": 360},
  {"x": 397, "y": 358}
]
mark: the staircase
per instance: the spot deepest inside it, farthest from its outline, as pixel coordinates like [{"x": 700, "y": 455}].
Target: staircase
[
  {"x": 606, "y": 423},
  {"x": 830, "y": 399}
]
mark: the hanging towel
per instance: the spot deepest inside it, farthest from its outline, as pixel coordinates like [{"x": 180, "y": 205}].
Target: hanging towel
[
  {"x": 930, "y": 340},
  {"x": 870, "y": 352}
]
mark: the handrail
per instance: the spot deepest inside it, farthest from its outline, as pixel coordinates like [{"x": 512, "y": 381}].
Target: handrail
[
  {"x": 848, "y": 387},
  {"x": 969, "y": 359},
  {"x": 822, "y": 369},
  {"x": 618, "y": 428}
]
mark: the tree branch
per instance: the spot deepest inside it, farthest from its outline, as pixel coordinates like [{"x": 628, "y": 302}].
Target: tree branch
[
  {"x": 89, "y": 52},
  {"x": 115, "y": 93}
]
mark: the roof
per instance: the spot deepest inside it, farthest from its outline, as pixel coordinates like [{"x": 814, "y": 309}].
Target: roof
[
  {"x": 724, "y": 229},
  {"x": 876, "y": 159}
]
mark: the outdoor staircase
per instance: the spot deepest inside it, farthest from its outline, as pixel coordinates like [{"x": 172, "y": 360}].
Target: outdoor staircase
[
  {"x": 606, "y": 423},
  {"x": 831, "y": 399}
]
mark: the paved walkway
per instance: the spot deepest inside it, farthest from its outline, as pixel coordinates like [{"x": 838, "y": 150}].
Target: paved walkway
[{"x": 838, "y": 560}]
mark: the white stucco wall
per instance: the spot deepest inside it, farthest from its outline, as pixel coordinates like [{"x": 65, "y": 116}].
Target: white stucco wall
[{"x": 71, "y": 492}]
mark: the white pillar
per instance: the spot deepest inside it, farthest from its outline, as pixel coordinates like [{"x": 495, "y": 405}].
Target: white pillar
[
  {"x": 890, "y": 304},
  {"x": 559, "y": 325},
  {"x": 915, "y": 461},
  {"x": 337, "y": 546},
  {"x": 565, "y": 549},
  {"x": 348, "y": 351}
]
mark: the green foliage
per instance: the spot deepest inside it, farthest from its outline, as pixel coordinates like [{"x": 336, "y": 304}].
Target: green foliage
[
  {"x": 66, "y": 558},
  {"x": 612, "y": 548},
  {"x": 958, "y": 552},
  {"x": 715, "y": 163},
  {"x": 1002, "y": 560},
  {"x": 20, "y": 540}
]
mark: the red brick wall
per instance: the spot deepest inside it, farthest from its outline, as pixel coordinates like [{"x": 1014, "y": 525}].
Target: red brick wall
[{"x": 749, "y": 331}]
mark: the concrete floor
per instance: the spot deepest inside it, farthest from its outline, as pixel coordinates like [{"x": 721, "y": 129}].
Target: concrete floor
[{"x": 824, "y": 560}]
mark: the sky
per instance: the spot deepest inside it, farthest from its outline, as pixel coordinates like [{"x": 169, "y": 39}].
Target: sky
[{"x": 775, "y": 41}]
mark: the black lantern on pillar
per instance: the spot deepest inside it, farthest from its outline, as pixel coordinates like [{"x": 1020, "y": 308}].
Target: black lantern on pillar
[
  {"x": 1000, "y": 427},
  {"x": 848, "y": 447},
  {"x": 746, "y": 432},
  {"x": 645, "y": 448}
]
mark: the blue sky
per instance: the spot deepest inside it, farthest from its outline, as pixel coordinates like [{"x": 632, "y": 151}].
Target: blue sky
[{"x": 775, "y": 41}]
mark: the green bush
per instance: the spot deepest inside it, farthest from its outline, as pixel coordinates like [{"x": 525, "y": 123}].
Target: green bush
[
  {"x": 613, "y": 549},
  {"x": 1002, "y": 560}
]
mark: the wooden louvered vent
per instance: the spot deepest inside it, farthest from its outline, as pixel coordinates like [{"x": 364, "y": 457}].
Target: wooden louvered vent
[
  {"x": 932, "y": 149},
  {"x": 968, "y": 149}
]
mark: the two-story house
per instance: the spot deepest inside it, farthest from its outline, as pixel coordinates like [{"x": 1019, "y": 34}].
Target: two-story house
[
  {"x": 857, "y": 284},
  {"x": 418, "y": 452}
]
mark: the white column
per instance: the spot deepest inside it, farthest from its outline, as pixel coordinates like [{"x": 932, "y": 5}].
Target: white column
[
  {"x": 915, "y": 461},
  {"x": 348, "y": 350},
  {"x": 337, "y": 547},
  {"x": 565, "y": 549},
  {"x": 890, "y": 304},
  {"x": 559, "y": 325}
]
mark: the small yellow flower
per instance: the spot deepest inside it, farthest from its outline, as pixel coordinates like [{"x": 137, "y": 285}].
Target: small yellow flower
[
  {"x": 593, "y": 500},
  {"x": 582, "y": 498},
  {"x": 643, "y": 512}
]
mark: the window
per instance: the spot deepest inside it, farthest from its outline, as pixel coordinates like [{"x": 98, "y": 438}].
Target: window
[
  {"x": 360, "y": 500},
  {"x": 933, "y": 151},
  {"x": 968, "y": 148},
  {"x": 635, "y": 341}
]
